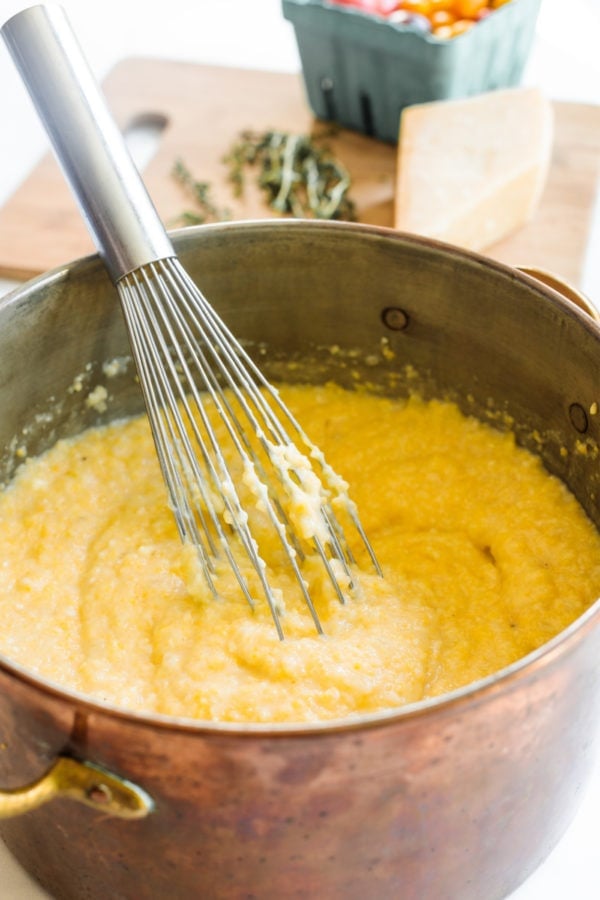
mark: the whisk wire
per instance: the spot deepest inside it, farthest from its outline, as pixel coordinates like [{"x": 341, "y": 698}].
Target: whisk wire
[
  {"x": 173, "y": 442},
  {"x": 250, "y": 383},
  {"x": 256, "y": 386},
  {"x": 149, "y": 367},
  {"x": 247, "y": 382},
  {"x": 170, "y": 333}
]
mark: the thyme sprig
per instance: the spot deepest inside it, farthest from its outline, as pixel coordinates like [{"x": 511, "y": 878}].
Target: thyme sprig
[
  {"x": 298, "y": 173},
  {"x": 200, "y": 191}
]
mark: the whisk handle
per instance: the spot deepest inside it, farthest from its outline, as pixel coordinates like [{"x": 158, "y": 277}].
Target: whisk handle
[{"x": 90, "y": 148}]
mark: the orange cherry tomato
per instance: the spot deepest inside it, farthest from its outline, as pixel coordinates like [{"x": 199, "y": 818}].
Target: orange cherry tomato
[
  {"x": 422, "y": 7},
  {"x": 442, "y": 6},
  {"x": 441, "y": 17},
  {"x": 460, "y": 26},
  {"x": 443, "y": 32},
  {"x": 446, "y": 18},
  {"x": 468, "y": 9}
]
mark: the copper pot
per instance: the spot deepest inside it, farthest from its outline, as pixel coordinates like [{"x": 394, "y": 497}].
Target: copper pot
[{"x": 459, "y": 797}]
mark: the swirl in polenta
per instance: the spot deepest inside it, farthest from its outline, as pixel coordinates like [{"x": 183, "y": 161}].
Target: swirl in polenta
[{"x": 485, "y": 557}]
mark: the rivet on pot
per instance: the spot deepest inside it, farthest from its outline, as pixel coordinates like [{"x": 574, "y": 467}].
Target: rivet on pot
[
  {"x": 100, "y": 794},
  {"x": 578, "y": 417},
  {"x": 395, "y": 318}
]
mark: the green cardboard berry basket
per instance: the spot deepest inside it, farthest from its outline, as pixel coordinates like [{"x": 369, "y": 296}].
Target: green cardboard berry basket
[{"x": 361, "y": 71}]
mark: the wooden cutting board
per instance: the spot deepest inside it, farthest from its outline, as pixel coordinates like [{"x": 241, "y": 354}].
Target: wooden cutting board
[{"x": 205, "y": 108}]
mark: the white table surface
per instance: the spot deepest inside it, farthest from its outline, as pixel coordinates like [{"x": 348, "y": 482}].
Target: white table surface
[{"x": 565, "y": 62}]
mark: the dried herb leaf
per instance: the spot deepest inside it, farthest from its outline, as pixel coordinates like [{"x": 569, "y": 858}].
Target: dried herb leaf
[
  {"x": 200, "y": 192},
  {"x": 298, "y": 173}
]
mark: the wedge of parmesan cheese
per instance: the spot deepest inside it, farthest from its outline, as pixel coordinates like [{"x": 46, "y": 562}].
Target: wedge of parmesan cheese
[{"x": 472, "y": 171}]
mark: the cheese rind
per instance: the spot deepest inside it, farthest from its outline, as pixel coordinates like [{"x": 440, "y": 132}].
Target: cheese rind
[{"x": 472, "y": 171}]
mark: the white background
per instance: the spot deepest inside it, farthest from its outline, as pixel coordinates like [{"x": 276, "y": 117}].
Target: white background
[{"x": 565, "y": 62}]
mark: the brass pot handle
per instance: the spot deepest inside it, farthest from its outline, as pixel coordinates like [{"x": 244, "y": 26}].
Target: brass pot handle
[
  {"x": 553, "y": 281},
  {"x": 81, "y": 781}
]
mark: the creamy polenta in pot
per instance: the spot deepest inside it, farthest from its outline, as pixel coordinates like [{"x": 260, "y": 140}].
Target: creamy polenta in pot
[{"x": 485, "y": 557}]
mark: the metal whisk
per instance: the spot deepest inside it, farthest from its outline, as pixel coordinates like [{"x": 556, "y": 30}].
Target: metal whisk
[{"x": 184, "y": 353}]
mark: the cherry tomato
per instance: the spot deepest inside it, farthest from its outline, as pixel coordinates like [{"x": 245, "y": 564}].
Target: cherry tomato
[
  {"x": 445, "y": 18},
  {"x": 441, "y": 17},
  {"x": 468, "y": 9},
  {"x": 461, "y": 25},
  {"x": 422, "y": 7}
]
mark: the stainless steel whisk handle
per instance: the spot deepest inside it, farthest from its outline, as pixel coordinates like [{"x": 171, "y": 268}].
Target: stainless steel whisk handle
[{"x": 90, "y": 148}]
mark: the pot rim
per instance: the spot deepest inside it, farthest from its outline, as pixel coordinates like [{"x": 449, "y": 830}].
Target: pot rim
[
  {"x": 548, "y": 284},
  {"x": 181, "y": 236},
  {"x": 502, "y": 681}
]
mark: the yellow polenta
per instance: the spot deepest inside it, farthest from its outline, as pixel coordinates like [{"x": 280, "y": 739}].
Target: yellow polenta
[{"x": 485, "y": 556}]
